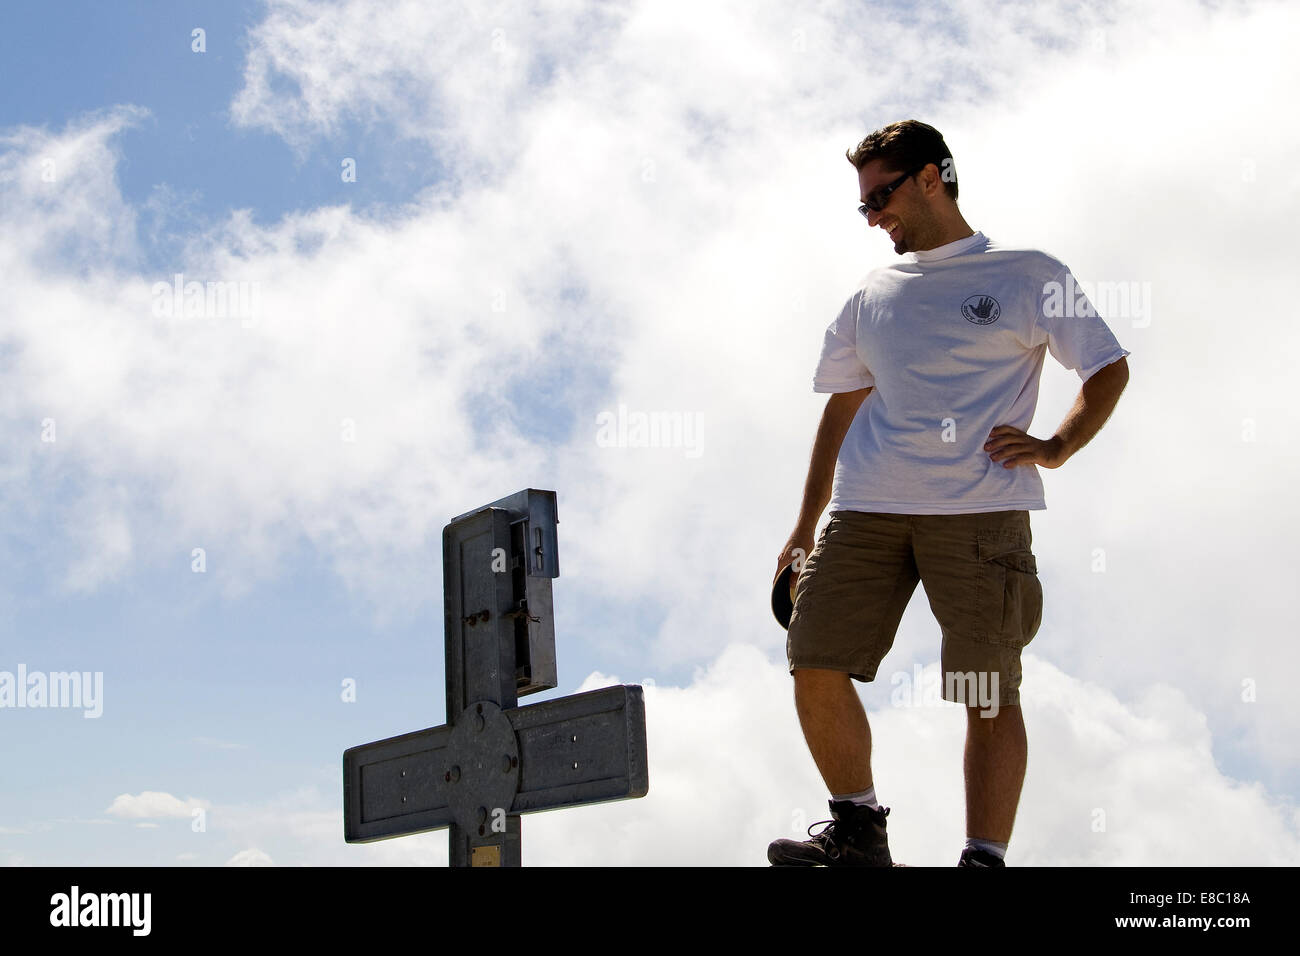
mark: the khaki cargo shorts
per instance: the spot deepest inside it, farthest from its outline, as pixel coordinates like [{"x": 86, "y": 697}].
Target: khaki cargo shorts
[{"x": 978, "y": 572}]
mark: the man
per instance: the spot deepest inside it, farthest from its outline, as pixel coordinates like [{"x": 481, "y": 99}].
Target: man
[{"x": 933, "y": 367}]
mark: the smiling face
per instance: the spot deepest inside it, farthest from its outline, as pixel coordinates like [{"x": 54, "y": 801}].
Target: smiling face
[{"x": 909, "y": 217}]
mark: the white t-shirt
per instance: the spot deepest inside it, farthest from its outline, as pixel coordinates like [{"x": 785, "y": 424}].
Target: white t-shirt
[{"x": 952, "y": 339}]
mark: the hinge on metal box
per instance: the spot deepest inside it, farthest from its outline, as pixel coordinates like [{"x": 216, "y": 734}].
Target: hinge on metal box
[{"x": 521, "y": 611}]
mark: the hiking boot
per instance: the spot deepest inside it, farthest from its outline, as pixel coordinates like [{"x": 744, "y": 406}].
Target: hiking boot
[
  {"x": 854, "y": 836},
  {"x": 973, "y": 857}
]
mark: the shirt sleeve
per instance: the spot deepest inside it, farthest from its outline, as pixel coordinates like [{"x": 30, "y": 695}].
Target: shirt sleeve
[
  {"x": 840, "y": 368},
  {"x": 1074, "y": 333}
]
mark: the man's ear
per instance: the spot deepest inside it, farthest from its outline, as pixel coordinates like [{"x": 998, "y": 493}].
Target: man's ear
[{"x": 927, "y": 178}]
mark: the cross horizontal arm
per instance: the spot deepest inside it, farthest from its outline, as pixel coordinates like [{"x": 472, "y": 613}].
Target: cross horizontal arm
[
  {"x": 585, "y": 748},
  {"x": 396, "y": 786}
]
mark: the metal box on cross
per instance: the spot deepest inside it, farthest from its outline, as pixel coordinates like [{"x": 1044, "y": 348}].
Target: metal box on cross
[{"x": 494, "y": 760}]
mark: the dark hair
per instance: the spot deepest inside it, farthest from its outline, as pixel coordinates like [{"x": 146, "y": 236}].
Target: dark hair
[{"x": 905, "y": 145}]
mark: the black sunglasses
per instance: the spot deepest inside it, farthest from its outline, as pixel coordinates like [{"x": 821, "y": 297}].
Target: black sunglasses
[{"x": 878, "y": 199}]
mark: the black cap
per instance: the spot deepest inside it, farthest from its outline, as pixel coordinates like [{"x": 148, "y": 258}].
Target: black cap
[{"x": 782, "y": 605}]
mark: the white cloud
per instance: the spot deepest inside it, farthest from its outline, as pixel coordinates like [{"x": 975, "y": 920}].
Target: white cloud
[
  {"x": 59, "y": 193},
  {"x": 153, "y": 804},
  {"x": 304, "y": 827},
  {"x": 250, "y": 857}
]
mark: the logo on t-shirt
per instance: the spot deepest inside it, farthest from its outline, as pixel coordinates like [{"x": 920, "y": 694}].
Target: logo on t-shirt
[{"x": 981, "y": 309}]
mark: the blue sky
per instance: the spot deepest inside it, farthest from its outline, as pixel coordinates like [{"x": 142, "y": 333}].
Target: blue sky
[
  {"x": 555, "y": 215},
  {"x": 92, "y": 55}
]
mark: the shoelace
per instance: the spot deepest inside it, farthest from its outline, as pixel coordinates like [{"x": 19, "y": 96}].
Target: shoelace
[
  {"x": 817, "y": 824},
  {"x": 820, "y": 822}
]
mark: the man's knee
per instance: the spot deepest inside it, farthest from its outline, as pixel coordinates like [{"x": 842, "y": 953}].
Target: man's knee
[
  {"x": 816, "y": 678},
  {"x": 992, "y": 718},
  {"x": 824, "y": 691}
]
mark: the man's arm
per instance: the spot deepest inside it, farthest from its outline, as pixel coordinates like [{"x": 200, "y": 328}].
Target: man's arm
[
  {"x": 836, "y": 419},
  {"x": 1093, "y": 406}
]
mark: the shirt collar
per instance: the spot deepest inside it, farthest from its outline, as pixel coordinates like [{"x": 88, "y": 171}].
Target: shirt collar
[{"x": 954, "y": 248}]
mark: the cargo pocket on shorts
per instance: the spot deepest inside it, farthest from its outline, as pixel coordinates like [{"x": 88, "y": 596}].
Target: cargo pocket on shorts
[{"x": 1009, "y": 601}]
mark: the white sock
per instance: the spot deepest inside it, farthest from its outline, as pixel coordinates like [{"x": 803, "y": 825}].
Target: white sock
[
  {"x": 863, "y": 798},
  {"x": 997, "y": 849}
]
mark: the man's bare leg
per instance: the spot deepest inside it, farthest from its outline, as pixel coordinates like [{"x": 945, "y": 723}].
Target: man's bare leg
[
  {"x": 835, "y": 727},
  {"x": 996, "y": 753}
]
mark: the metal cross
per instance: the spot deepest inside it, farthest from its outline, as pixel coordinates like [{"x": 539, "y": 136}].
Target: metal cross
[{"x": 493, "y": 760}]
